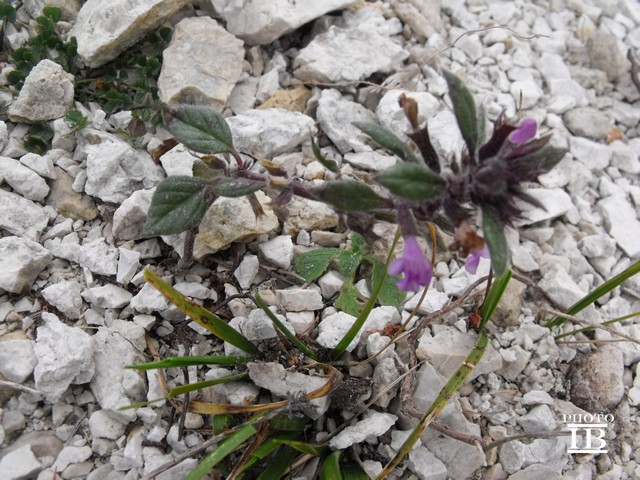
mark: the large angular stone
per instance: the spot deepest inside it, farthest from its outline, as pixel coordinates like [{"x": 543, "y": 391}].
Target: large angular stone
[
  {"x": 23, "y": 180},
  {"x": 114, "y": 168},
  {"x": 106, "y": 29},
  {"x": 47, "y": 94},
  {"x": 350, "y": 54},
  {"x": 263, "y": 21},
  {"x": 21, "y": 217},
  {"x": 201, "y": 65},
  {"x": 231, "y": 220},
  {"x": 622, "y": 223},
  {"x": 21, "y": 260},
  {"x": 65, "y": 357},
  {"x": 271, "y": 131}
]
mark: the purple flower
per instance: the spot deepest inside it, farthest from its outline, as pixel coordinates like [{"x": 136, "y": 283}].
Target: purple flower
[
  {"x": 526, "y": 131},
  {"x": 473, "y": 260},
  {"x": 417, "y": 271}
]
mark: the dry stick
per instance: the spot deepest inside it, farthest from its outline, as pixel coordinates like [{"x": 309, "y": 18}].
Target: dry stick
[
  {"x": 502, "y": 441},
  {"x": 20, "y": 388}
]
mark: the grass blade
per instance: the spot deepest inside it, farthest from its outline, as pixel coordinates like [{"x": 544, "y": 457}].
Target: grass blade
[
  {"x": 226, "y": 447},
  {"x": 200, "y": 315},
  {"x": 590, "y": 298},
  {"x": 176, "y": 362},
  {"x": 284, "y": 330},
  {"x": 204, "y": 384},
  {"x": 331, "y": 467}
]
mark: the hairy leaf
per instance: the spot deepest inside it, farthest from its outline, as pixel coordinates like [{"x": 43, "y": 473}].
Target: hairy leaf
[
  {"x": 201, "y": 129},
  {"x": 390, "y": 294},
  {"x": 349, "y": 195},
  {"x": 347, "y": 261},
  {"x": 235, "y": 187},
  {"x": 464, "y": 109},
  {"x": 387, "y": 139},
  {"x": 411, "y": 181},
  {"x": 349, "y": 300},
  {"x": 328, "y": 164},
  {"x": 494, "y": 235},
  {"x": 310, "y": 265},
  {"x": 177, "y": 205}
]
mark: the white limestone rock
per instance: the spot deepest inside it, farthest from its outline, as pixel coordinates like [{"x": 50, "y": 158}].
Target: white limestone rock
[
  {"x": 23, "y": 180},
  {"x": 104, "y": 426},
  {"x": 231, "y": 220},
  {"x": 373, "y": 161},
  {"x": 263, "y": 21},
  {"x": 21, "y": 217},
  {"x": 114, "y": 168},
  {"x": 624, "y": 157},
  {"x": 447, "y": 347},
  {"x": 595, "y": 156},
  {"x": 17, "y": 359},
  {"x": 65, "y": 356},
  {"x": 330, "y": 284},
  {"x": 605, "y": 55},
  {"x": 539, "y": 419},
  {"x": 107, "y": 296},
  {"x": 47, "y": 94},
  {"x": 19, "y": 464},
  {"x": 106, "y": 29},
  {"x": 423, "y": 16},
  {"x": 273, "y": 377},
  {"x": 556, "y": 202},
  {"x": 271, "y": 131},
  {"x": 128, "y": 264},
  {"x": 201, "y": 65},
  {"x": 588, "y": 122},
  {"x": 43, "y": 166},
  {"x": 296, "y": 299},
  {"x": 99, "y": 257},
  {"x": 178, "y": 161},
  {"x": 350, "y": 54},
  {"x": 278, "y": 251},
  {"x": 129, "y": 218},
  {"x": 309, "y": 215},
  {"x": 113, "y": 385},
  {"x": 622, "y": 223},
  {"x": 392, "y": 116},
  {"x": 526, "y": 92},
  {"x": 373, "y": 424},
  {"x": 149, "y": 300},
  {"x": 21, "y": 260},
  {"x": 247, "y": 271},
  {"x": 67, "y": 201},
  {"x": 336, "y": 116},
  {"x": 65, "y": 296}
]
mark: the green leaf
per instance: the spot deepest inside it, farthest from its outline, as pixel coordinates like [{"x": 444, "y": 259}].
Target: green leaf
[
  {"x": 177, "y": 205},
  {"x": 201, "y": 315},
  {"x": 547, "y": 157},
  {"x": 201, "y": 129},
  {"x": 464, "y": 109},
  {"x": 348, "y": 261},
  {"x": 224, "y": 448},
  {"x": 493, "y": 297},
  {"x": 358, "y": 243},
  {"x": 53, "y": 13},
  {"x": 348, "y": 300},
  {"x": 411, "y": 181},
  {"x": 310, "y": 265},
  {"x": 182, "y": 389},
  {"x": 328, "y": 164},
  {"x": 390, "y": 294},
  {"x": 305, "y": 447},
  {"x": 221, "y": 422},
  {"x": 331, "y": 467},
  {"x": 235, "y": 187},
  {"x": 387, "y": 139},
  {"x": 289, "y": 423},
  {"x": 349, "y": 195},
  {"x": 278, "y": 464},
  {"x": 7, "y": 12},
  {"x": 495, "y": 237},
  {"x": 202, "y": 170}
]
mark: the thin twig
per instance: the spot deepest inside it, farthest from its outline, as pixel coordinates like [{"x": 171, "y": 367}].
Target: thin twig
[
  {"x": 20, "y": 388},
  {"x": 512, "y": 438},
  {"x": 580, "y": 321}
]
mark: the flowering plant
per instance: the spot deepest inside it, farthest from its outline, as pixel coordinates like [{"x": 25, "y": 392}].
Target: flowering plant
[{"x": 490, "y": 177}]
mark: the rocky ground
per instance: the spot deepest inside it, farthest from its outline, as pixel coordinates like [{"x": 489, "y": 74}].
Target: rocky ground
[{"x": 74, "y": 307}]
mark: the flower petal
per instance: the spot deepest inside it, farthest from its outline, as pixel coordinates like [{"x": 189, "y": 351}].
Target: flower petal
[{"x": 526, "y": 131}]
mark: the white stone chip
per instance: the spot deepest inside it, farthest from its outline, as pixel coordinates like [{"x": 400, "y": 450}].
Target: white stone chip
[
  {"x": 556, "y": 202},
  {"x": 104, "y": 426},
  {"x": 622, "y": 223},
  {"x": 278, "y": 251},
  {"x": 129, "y": 218},
  {"x": 247, "y": 271},
  {"x": 201, "y": 65},
  {"x": 263, "y": 21},
  {"x": 65, "y": 357},
  {"x": 21, "y": 260},
  {"x": 21, "y": 216},
  {"x": 23, "y": 180},
  {"x": 107, "y": 296},
  {"x": 17, "y": 359},
  {"x": 47, "y": 94},
  {"x": 65, "y": 296},
  {"x": 298, "y": 299},
  {"x": 128, "y": 264},
  {"x": 373, "y": 424},
  {"x": 106, "y": 29},
  {"x": 19, "y": 464},
  {"x": 149, "y": 300},
  {"x": 99, "y": 257}
]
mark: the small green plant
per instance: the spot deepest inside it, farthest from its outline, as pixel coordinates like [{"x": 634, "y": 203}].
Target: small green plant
[
  {"x": 76, "y": 121},
  {"x": 48, "y": 43},
  {"x": 311, "y": 265},
  {"x": 490, "y": 178},
  {"x": 38, "y": 138}
]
